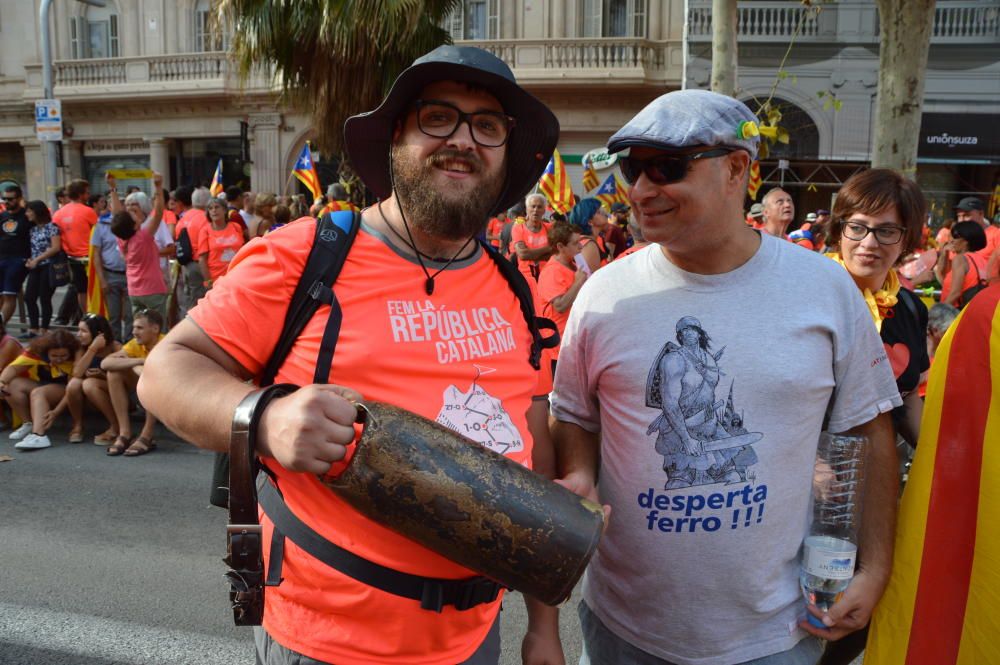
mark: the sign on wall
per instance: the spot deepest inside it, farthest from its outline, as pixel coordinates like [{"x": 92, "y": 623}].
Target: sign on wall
[
  {"x": 48, "y": 120},
  {"x": 959, "y": 136}
]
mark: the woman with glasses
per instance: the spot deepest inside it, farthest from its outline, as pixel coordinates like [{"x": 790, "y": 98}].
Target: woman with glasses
[
  {"x": 967, "y": 269},
  {"x": 46, "y": 243},
  {"x": 877, "y": 220}
]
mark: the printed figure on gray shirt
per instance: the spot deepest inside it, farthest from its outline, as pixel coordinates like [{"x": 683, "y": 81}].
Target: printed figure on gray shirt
[{"x": 702, "y": 439}]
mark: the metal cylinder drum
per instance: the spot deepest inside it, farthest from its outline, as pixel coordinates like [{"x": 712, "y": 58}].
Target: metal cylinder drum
[{"x": 469, "y": 504}]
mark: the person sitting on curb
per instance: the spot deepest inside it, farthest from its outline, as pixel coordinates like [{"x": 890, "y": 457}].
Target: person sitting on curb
[
  {"x": 34, "y": 385},
  {"x": 10, "y": 349},
  {"x": 123, "y": 368},
  {"x": 89, "y": 381}
]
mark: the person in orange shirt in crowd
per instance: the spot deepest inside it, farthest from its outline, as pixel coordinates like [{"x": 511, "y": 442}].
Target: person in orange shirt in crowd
[
  {"x": 531, "y": 240},
  {"x": 192, "y": 219},
  {"x": 219, "y": 243},
  {"x": 75, "y": 221},
  {"x": 971, "y": 209},
  {"x": 455, "y": 141},
  {"x": 967, "y": 267},
  {"x": 560, "y": 280},
  {"x": 494, "y": 229}
]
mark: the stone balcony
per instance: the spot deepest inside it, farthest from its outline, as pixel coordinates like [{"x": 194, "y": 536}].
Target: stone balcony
[
  {"x": 630, "y": 62},
  {"x": 165, "y": 76},
  {"x": 848, "y": 21}
]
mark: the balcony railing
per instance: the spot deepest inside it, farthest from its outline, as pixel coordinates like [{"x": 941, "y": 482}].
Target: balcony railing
[
  {"x": 759, "y": 21},
  {"x": 848, "y": 21},
  {"x": 575, "y": 59},
  {"x": 194, "y": 73}
]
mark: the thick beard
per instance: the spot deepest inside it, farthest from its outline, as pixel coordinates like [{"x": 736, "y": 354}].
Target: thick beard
[{"x": 433, "y": 213}]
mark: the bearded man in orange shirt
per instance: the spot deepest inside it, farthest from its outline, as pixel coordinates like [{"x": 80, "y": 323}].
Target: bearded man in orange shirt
[{"x": 428, "y": 322}]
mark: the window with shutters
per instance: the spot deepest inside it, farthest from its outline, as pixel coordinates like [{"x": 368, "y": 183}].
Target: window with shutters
[
  {"x": 474, "y": 19},
  {"x": 208, "y": 35},
  {"x": 613, "y": 18},
  {"x": 95, "y": 34}
]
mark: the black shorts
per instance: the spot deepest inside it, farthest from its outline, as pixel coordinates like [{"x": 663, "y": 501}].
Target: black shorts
[{"x": 78, "y": 274}]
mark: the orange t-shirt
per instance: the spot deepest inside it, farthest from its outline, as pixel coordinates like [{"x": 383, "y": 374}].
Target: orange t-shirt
[
  {"x": 434, "y": 355},
  {"x": 532, "y": 240},
  {"x": 220, "y": 246},
  {"x": 976, "y": 270},
  {"x": 75, "y": 222},
  {"x": 992, "y": 245},
  {"x": 555, "y": 280},
  {"x": 494, "y": 228},
  {"x": 195, "y": 221}
]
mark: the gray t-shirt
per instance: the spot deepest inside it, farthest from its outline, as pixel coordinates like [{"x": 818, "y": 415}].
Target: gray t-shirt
[{"x": 710, "y": 392}]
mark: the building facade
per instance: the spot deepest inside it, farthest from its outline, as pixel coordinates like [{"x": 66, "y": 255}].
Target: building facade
[
  {"x": 829, "y": 92},
  {"x": 146, "y": 83}
]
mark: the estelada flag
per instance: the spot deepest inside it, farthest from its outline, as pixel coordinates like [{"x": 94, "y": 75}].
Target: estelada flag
[
  {"x": 216, "y": 187},
  {"x": 942, "y": 605},
  {"x": 612, "y": 191},
  {"x": 753, "y": 185},
  {"x": 554, "y": 183},
  {"x": 305, "y": 171},
  {"x": 95, "y": 292},
  {"x": 590, "y": 179}
]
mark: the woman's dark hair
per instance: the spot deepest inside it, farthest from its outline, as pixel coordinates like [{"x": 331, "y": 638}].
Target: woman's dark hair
[
  {"x": 54, "y": 339},
  {"x": 42, "y": 214},
  {"x": 122, "y": 225},
  {"x": 970, "y": 232},
  {"x": 560, "y": 234},
  {"x": 282, "y": 215},
  {"x": 875, "y": 190},
  {"x": 98, "y": 325}
]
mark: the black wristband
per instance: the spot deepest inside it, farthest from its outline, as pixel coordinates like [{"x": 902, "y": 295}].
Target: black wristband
[{"x": 242, "y": 449}]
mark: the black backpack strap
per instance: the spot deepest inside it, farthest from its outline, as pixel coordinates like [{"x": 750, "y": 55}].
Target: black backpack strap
[
  {"x": 536, "y": 324},
  {"x": 335, "y": 234},
  {"x": 431, "y": 592}
]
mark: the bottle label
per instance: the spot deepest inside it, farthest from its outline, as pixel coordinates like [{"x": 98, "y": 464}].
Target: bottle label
[{"x": 833, "y": 560}]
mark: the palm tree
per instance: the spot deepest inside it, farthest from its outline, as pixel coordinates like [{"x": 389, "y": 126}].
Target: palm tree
[{"x": 332, "y": 58}]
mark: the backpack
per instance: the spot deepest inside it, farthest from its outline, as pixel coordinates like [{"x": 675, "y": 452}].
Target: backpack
[
  {"x": 185, "y": 253},
  {"x": 335, "y": 233}
]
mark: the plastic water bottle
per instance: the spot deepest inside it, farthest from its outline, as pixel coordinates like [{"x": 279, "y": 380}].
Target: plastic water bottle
[{"x": 830, "y": 551}]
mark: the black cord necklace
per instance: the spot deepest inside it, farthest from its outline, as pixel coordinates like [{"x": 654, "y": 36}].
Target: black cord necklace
[{"x": 429, "y": 283}]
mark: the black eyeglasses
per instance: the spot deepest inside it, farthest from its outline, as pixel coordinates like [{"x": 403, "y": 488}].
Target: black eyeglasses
[
  {"x": 439, "y": 119},
  {"x": 885, "y": 235},
  {"x": 664, "y": 169}
]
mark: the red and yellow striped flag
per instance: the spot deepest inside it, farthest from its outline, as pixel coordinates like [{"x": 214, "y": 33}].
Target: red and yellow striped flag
[
  {"x": 554, "y": 183},
  {"x": 95, "y": 294},
  {"x": 942, "y": 605},
  {"x": 590, "y": 179},
  {"x": 612, "y": 191},
  {"x": 305, "y": 171},
  {"x": 994, "y": 206},
  {"x": 217, "y": 187},
  {"x": 753, "y": 185}
]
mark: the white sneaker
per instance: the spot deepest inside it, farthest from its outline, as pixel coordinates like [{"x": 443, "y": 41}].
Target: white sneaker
[
  {"x": 21, "y": 432},
  {"x": 33, "y": 442}
]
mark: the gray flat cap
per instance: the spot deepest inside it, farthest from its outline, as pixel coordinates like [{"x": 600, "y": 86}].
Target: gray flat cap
[{"x": 689, "y": 118}]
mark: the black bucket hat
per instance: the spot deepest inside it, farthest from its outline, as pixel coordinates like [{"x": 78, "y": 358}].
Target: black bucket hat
[{"x": 368, "y": 136}]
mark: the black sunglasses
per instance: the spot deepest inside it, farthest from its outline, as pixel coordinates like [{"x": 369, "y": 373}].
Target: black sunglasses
[
  {"x": 10, "y": 199},
  {"x": 664, "y": 169}
]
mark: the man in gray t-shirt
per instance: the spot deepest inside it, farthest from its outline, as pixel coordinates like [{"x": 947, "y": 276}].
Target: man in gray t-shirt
[{"x": 700, "y": 372}]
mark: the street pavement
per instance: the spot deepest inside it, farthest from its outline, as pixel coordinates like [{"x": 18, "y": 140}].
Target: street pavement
[{"x": 118, "y": 561}]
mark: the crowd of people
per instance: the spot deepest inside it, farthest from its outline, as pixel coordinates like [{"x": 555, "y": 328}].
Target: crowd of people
[
  {"x": 689, "y": 326},
  {"x": 147, "y": 257}
]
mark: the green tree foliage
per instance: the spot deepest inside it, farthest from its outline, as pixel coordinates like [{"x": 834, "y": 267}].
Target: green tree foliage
[{"x": 332, "y": 58}]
